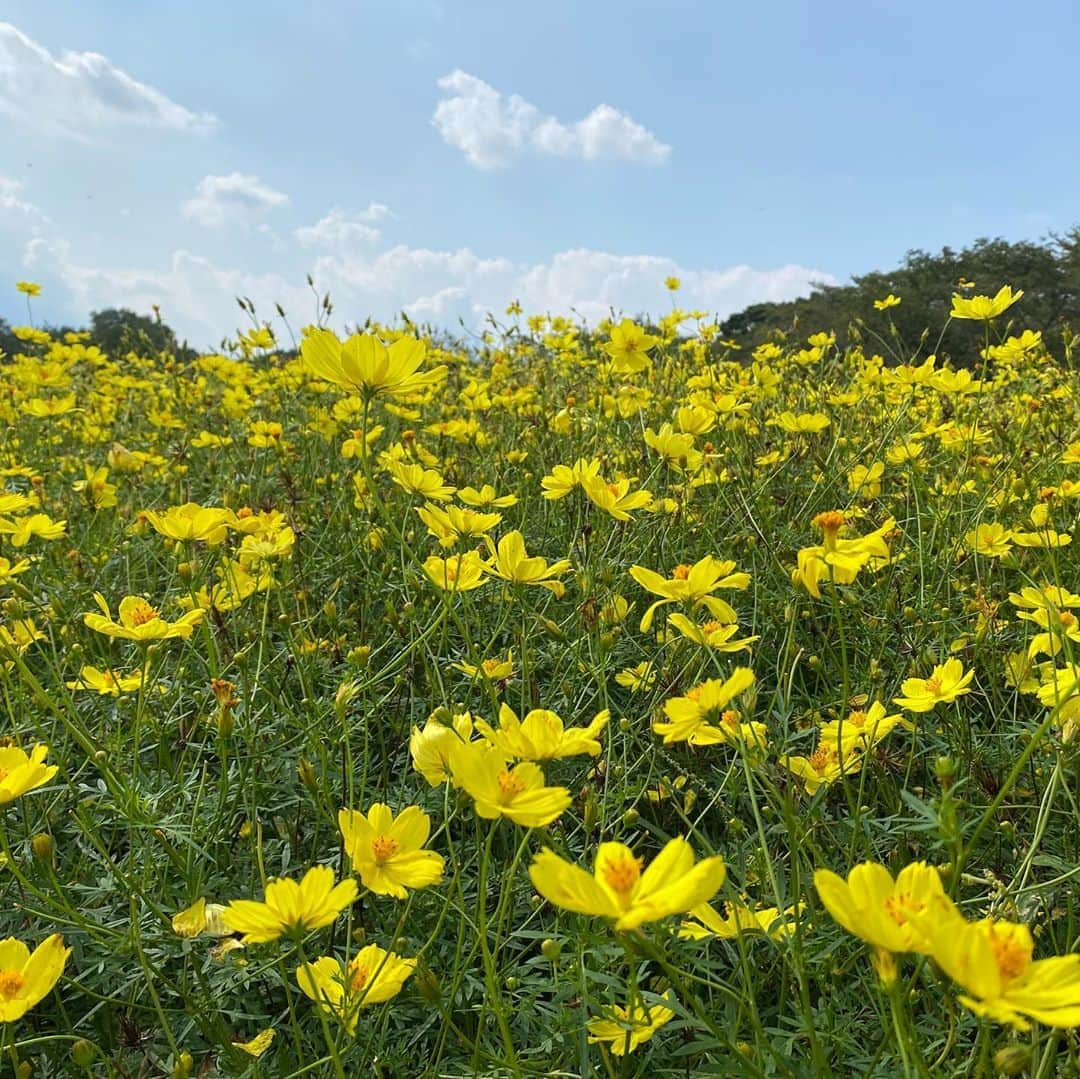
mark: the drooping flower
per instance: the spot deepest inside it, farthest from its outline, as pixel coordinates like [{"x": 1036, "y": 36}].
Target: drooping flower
[
  {"x": 386, "y": 851},
  {"x": 621, "y": 889},
  {"x": 836, "y": 559}
]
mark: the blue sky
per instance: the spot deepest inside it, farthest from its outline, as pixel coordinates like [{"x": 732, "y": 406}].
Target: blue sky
[{"x": 446, "y": 158}]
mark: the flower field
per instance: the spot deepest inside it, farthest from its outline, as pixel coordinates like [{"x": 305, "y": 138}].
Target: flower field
[{"x": 572, "y": 702}]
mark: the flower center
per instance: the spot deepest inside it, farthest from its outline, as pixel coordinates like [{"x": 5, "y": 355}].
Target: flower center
[
  {"x": 11, "y": 984},
  {"x": 490, "y": 666},
  {"x": 1011, "y": 954},
  {"x": 383, "y": 848},
  {"x": 730, "y": 719},
  {"x": 933, "y": 685},
  {"x": 622, "y": 873},
  {"x": 821, "y": 758},
  {"x": 358, "y": 978},
  {"x": 857, "y": 719},
  {"x": 680, "y": 572},
  {"x": 900, "y": 906},
  {"x": 830, "y": 522},
  {"x": 1068, "y": 620},
  {"x": 510, "y": 784},
  {"x": 142, "y": 614}
]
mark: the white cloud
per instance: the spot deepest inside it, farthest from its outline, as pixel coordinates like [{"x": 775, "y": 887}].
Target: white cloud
[
  {"x": 340, "y": 231},
  {"x": 493, "y": 130},
  {"x": 197, "y": 296},
  {"x": 237, "y": 197},
  {"x": 78, "y": 92}
]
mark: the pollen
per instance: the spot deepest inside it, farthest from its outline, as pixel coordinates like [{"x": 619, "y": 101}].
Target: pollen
[
  {"x": 830, "y": 522},
  {"x": 622, "y": 873},
  {"x": 933, "y": 685},
  {"x": 510, "y": 784},
  {"x": 681, "y": 572},
  {"x": 383, "y": 848},
  {"x": 1011, "y": 954},
  {"x": 12, "y": 984},
  {"x": 142, "y": 614}
]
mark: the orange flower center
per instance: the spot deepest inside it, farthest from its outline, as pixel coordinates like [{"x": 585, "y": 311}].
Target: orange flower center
[
  {"x": 730, "y": 719},
  {"x": 358, "y": 977},
  {"x": 933, "y": 685},
  {"x": 1011, "y": 955},
  {"x": 384, "y": 847},
  {"x": 821, "y": 758},
  {"x": 713, "y": 626},
  {"x": 1068, "y": 620},
  {"x": 490, "y": 666},
  {"x": 680, "y": 572},
  {"x": 11, "y": 984},
  {"x": 142, "y": 614},
  {"x": 857, "y": 719},
  {"x": 900, "y": 906},
  {"x": 830, "y": 522},
  {"x": 622, "y": 873},
  {"x": 510, "y": 784}
]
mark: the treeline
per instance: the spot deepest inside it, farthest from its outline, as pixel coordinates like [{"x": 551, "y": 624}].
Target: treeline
[{"x": 1048, "y": 272}]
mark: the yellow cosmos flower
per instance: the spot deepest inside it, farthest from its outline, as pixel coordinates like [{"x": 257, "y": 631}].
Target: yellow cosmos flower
[
  {"x": 364, "y": 365},
  {"x": 629, "y": 347},
  {"x": 718, "y": 636},
  {"x": 541, "y": 736},
  {"x": 453, "y": 523},
  {"x": 616, "y": 499},
  {"x": 95, "y": 487},
  {"x": 885, "y": 304},
  {"x": 984, "y": 308},
  {"x": 139, "y": 621},
  {"x": 26, "y": 977},
  {"x": 864, "y": 481},
  {"x": 259, "y": 1044},
  {"x": 45, "y": 407},
  {"x": 625, "y": 1029},
  {"x": 836, "y": 559},
  {"x": 701, "y": 717},
  {"x": 20, "y": 773},
  {"x": 706, "y": 922},
  {"x": 289, "y": 907},
  {"x": 430, "y": 747},
  {"x": 36, "y": 526},
  {"x": 694, "y": 585},
  {"x": 372, "y": 976},
  {"x": 191, "y": 522},
  {"x": 946, "y": 682},
  {"x": 862, "y": 728},
  {"x": 510, "y": 562},
  {"x": 992, "y": 962},
  {"x": 10, "y": 570},
  {"x": 28, "y": 288},
  {"x": 486, "y": 496},
  {"x": 517, "y": 793},
  {"x": 889, "y": 915},
  {"x": 417, "y": 480},
  {"x": 992, "y": 540},
  {"x": 494, "y": 669},
  {"x": 108, "y": 683},
  {"x": 458, "y": 573},
  {"x": 621, "y": 889},
  {"x": 386, "y": 850},
  {"x": 805, "y": 423},
  {"x": 562, "y": 479},
  {"x": 199, "y": 919},
  {"x": 830, "y": 761}
]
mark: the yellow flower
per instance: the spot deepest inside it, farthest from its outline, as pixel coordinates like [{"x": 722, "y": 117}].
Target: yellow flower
[
  {"x": 20, "y": 773},
  {"x": 806, "y": 423},
  {"x": 693, "y": 585},
  {"x": 363, "y": 364},
  {"x": 637, "y": 679},
  {"x": 990, "y": 539},
  {"x": 259, "y": 1044},
  {"x": 839, "y": 560},
  {"x": 44, "y": 407},
  {"x": 624, "y": 1029},
  {"x": 96, "y": 487},
  {"x": 386, "y": 850},
  {"x": 983, "y": 307},
  {"x": 946, "y": 682},
  {"x": 541, "y": 736},
  {"x": 889, "y": 301},
  {"x": 10, "y": 570},
  {"x": 706, "y": 922},
  {"x": 862, "y": 728},
  {"x": 615, "y": 499},
  {"x": 510, "y": 562},
  {"x": 26, "y": 977},
  {"x": 495, "y": 669},
  {"x": 289, "y": 907},
  {"x": 201, "y": 917},
  {"x": 430, "y": 747},
  {"x": 992, "y": 961},
  {"x": 453, "y": 523},
  {"x": 701, "y": 717},
  {"x": 28, "y": 288},
  {"x": 191, "y": 522},
  {"x": 139, "y": 621},
  {"x": 23, "y": 529},
  {"x": 891, "y": 916},
  {"x": 417, "y": 480},
  {"x": 517, "y": 793},
  {"x": 713, "y": 634},
  {"x": 865, "y": 481},
  {"x": 620, "y": 888},
  {"x": 207, "y": 440},
  {"x": 372, "y": 976},
  {"x": 825, "y": 765},
  {"x": 562, "y": 479},
  {"x": 629, "y": 347},
  {"x": 486, "y": 496},
  {"x": 108, "y": 683},
  {"x": 458, "y": 573}
]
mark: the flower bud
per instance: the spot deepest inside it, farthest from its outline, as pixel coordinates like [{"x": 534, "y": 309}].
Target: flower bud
[
  {"x": 551, "y": 950},
  {"x": 42, "y": 846},
  {"x": 83, "y": 1053},
  {"x": 306, "y": 771}
]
